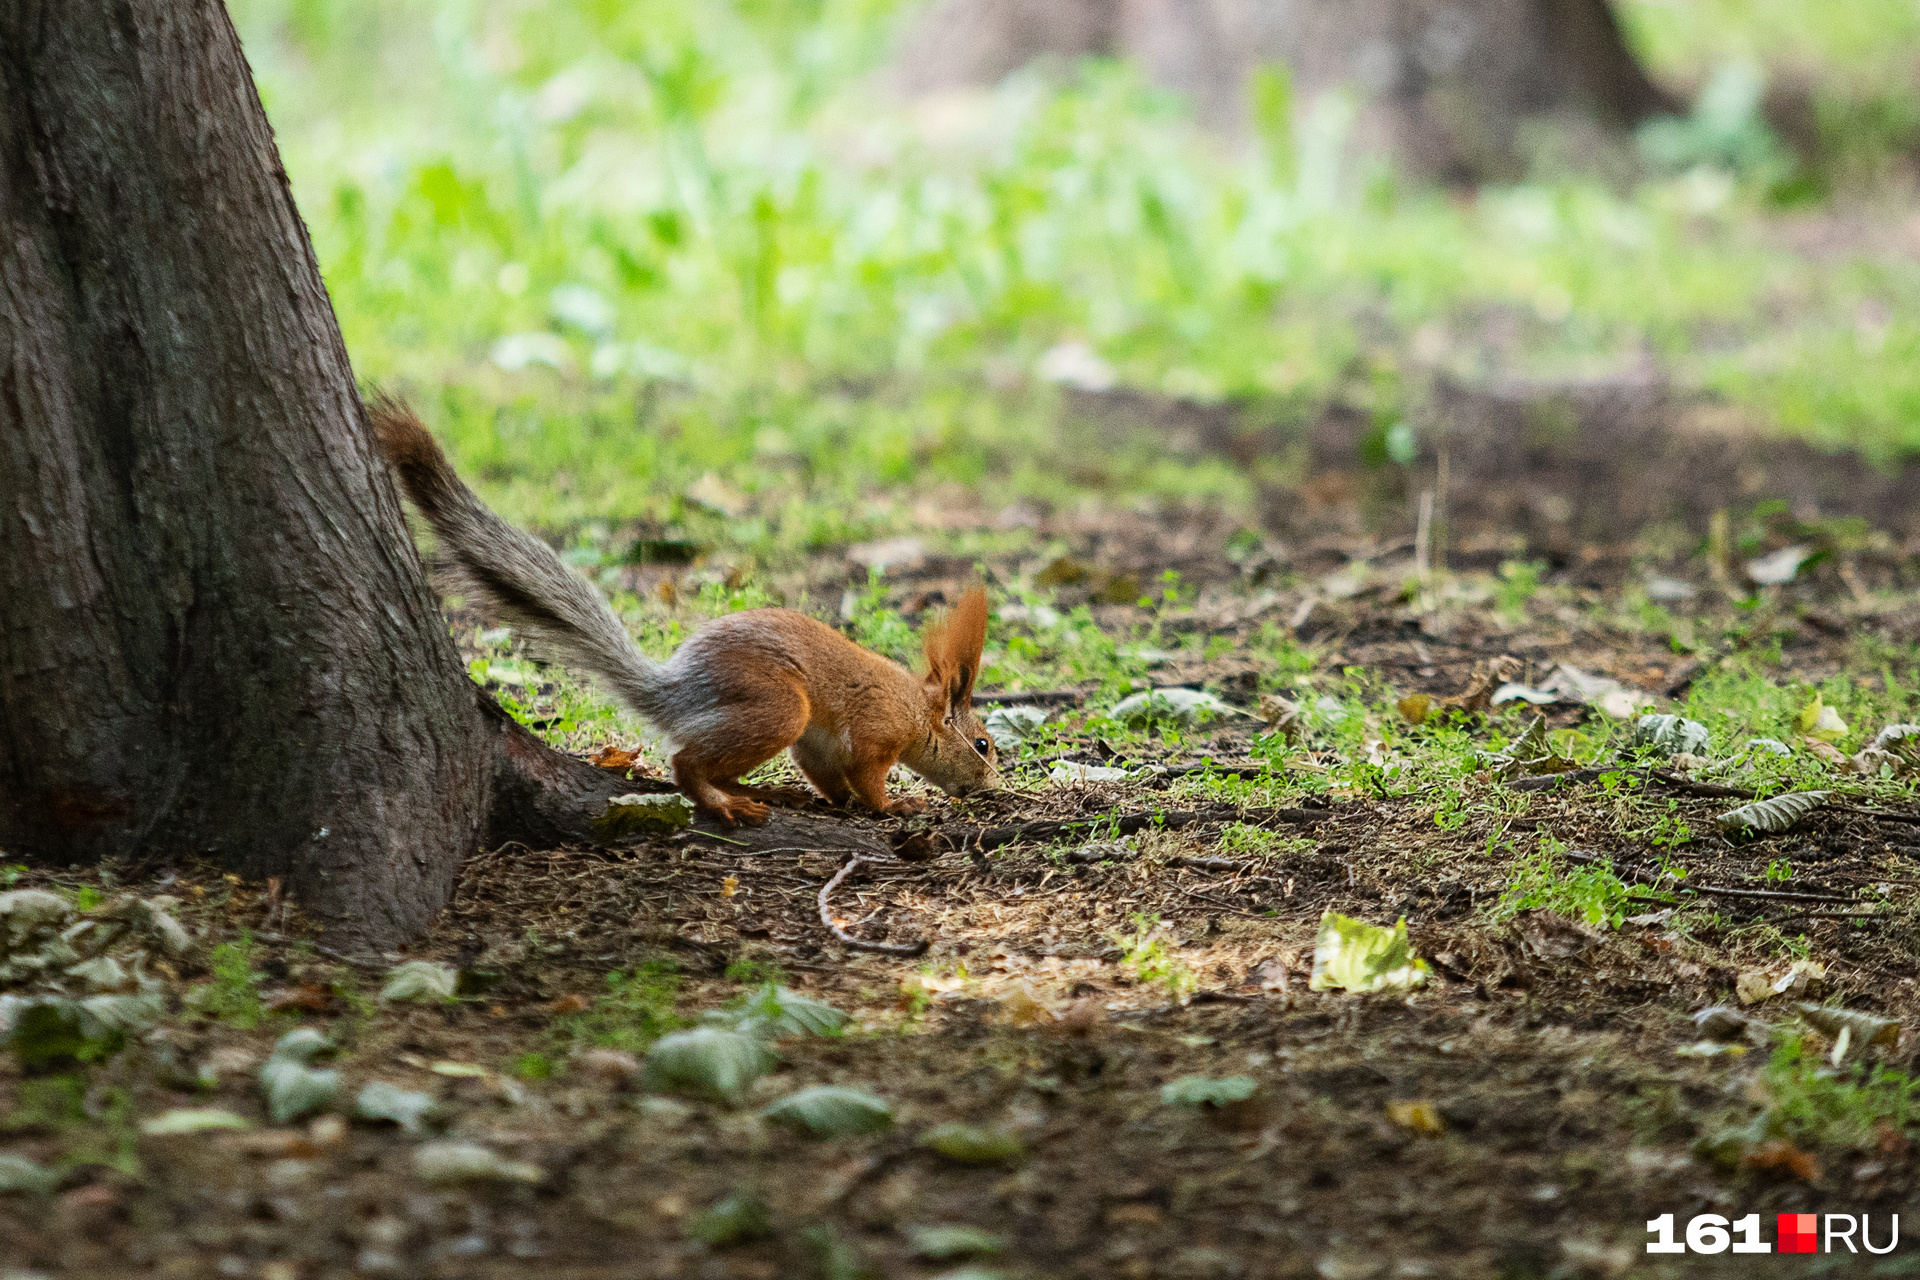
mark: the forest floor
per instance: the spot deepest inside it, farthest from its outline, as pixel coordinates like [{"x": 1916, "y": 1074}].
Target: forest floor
[{"x": 1523, "y": 1113}]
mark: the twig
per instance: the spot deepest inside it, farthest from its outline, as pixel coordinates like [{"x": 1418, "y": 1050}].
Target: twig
[
  {"x": 1046, "y": 697},
  {"x": 1828, "y": 915},
  {"x": 328, "y": 952},
  {"x": 1551, "y": 781},
  {"x": 984, "y": 838},
  {"x": 1883, "y": 814},
  {"x": 1729, "y": 892},
  {"x": 1209, "y": 864},
  {"x": 1215, "y": 902},
  {"x": 826, "y": 918}
]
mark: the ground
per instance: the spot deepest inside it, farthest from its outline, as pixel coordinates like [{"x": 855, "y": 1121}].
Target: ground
[{"x": 1525, "y": 1112}]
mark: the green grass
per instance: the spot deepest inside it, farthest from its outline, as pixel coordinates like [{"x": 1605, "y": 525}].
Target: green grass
[
  {"x": 615, "y": 251},
  {"x": 635, "y": 1010},
  {"x": 233, "y": 994}
]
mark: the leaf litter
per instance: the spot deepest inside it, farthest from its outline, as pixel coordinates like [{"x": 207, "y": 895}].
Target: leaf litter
[{"x": 670, "y": 1052}]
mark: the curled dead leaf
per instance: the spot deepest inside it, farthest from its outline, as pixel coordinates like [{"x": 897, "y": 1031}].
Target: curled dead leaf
[
  {"x": 1780, "y": 1154},
  {"x": 308, "y": 995},
  {"x": 572, "y": 1002},
  {"x": 614, "y": 756},
  {"x": 1418, "y": 1115}
]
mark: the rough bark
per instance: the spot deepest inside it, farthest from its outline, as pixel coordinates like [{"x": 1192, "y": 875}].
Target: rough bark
[
  {"x": 217, "y": 638},
  {"x": 1446, "y": 83}
]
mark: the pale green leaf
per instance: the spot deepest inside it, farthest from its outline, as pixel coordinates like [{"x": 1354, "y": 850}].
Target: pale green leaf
[
  {"x": 1352, "y": 955},
  {"x": 193, "y": 1120},
  {"x": 972, "y": 1143},
  {"x": 1196, "y": 1091},
  {"x": 1777, "y": 813},
  {"x": 710, "y": 1062},
  {"x": 408, "y": 1108},
  {"x": 831, "y": 1111},
  {"x": 421, "y": 980}
]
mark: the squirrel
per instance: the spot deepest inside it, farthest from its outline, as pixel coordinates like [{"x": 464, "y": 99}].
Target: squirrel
[{"x": 740, "y": 690}]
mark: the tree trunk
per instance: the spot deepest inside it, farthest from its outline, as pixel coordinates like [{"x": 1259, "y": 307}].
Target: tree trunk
[
  {"x": 1447, "y": 84},
  {"x": 217, "y": 638}
]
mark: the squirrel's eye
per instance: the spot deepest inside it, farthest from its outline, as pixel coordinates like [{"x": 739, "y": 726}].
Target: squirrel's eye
[{"x": 982, "y": 745}]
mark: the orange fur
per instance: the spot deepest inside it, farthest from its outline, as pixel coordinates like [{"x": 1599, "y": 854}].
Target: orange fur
[{"x": 744, "y": 687}]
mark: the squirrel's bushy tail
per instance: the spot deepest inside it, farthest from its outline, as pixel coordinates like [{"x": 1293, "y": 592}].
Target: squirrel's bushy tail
[{"x": 551, "y": 606}]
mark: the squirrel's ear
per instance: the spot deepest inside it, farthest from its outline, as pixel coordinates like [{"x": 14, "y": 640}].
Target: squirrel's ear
[{"x": 953, "y": 646}]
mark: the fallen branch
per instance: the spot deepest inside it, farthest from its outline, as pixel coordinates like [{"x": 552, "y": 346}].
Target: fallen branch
[
  {"x": 377, "y": 966},
  {"x": 1722, "y": 891},
  {"x": 1047, "y": 697},
  {"x": 981, "y": 839},
  {"x": 1573, "y": 777},
  {"x": 826, "y": 918},
  {"x": 1215, "y": 902},
  {"x": 1209, "y": 864}
]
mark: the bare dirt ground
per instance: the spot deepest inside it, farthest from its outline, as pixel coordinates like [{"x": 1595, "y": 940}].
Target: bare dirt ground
[{"x": 1524, "y": 1114}]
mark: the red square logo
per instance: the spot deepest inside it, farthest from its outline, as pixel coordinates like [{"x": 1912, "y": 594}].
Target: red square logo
[{"x": 1798, "y": 1231}]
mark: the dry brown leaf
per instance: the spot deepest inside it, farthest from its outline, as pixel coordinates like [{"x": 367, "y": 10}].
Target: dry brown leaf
[
  {"x": 613, "y": 756},
  {"x": 1414, "y": 707},
  {"x": 308, "y": 995},
  {"x": 1486, "y": 677},
  {"x": 1418, "y": 1115},
  {"x": 572, "y": 1002},
  {"x": 1779, "y": 1153},
  {"x": 1828, "y": 754}
]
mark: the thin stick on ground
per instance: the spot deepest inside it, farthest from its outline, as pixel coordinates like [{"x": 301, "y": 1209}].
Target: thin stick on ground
[{"x": 826, "y": 918}]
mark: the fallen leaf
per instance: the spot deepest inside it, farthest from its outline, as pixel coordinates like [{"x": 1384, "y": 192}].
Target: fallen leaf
[
  {"x": 1418, "y": 1115},
  {"x": 1414, "y": 707},
  {"x": 1355, "y": 956},
  {"x": 192, "y": 1120},
  {"x": 615, "y": 757},
  {"x": 972, "y": 1143},
  {"x": 940, "y": 1243},
  {"x": 707, "y": 1061},
  {"x": 831, "y": 1111},
  {"x": 572, "y": 1002},
  {"x": 421, "y": 980},
  {"x": 308, "y": 995},
  {"x": 1820, "y": 721},
  {"x": 739, "y": 1218},
  {"x": 1204, "y": 1091},
  {"x": 1780, "y": 1154},
  {"x": 379, "y": 1100},
  {"x": 450, "y": 1162}
]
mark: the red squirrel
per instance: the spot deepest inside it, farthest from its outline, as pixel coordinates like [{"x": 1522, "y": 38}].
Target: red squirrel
[{"x": 744, "y": 687}]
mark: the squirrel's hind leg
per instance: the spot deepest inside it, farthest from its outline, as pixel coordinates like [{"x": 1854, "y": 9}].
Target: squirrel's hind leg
[
  {"x": 741, "y": 737},
  {"x": 824, "y": 763}
]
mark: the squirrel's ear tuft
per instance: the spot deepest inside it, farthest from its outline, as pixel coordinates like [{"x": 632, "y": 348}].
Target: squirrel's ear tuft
[{"x": 953, "y": 646}]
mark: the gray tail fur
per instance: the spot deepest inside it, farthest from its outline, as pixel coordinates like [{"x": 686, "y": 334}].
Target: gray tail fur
[{"x": 554, "y": 608}]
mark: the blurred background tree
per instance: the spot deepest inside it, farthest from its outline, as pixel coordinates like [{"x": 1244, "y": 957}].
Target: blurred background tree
[{"x": 1449, "y": 85}]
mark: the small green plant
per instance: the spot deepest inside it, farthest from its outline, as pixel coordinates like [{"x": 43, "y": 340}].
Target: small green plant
[
  {"x": 635, "y": 1010},
  {"x": 533, "y": 1066},
  {"x": 753, "y": 973},
  {"x": 233, "y": 996},
  {"x": 1243, "y": 840},
  {"x": 1850, "y": 1107},
  {"x": 1779, "y": 870},
  {"x": 1145, "y": 954},
  {"x": 87, "y": 897},
  {"x": 1519, "y": 582},
  {"x": 10, "y": 875},
  {"x": 1593, "y": 894}
]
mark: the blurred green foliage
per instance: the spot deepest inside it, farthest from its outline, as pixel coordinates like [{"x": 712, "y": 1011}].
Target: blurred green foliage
[{"x": 612, "y": 247}]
